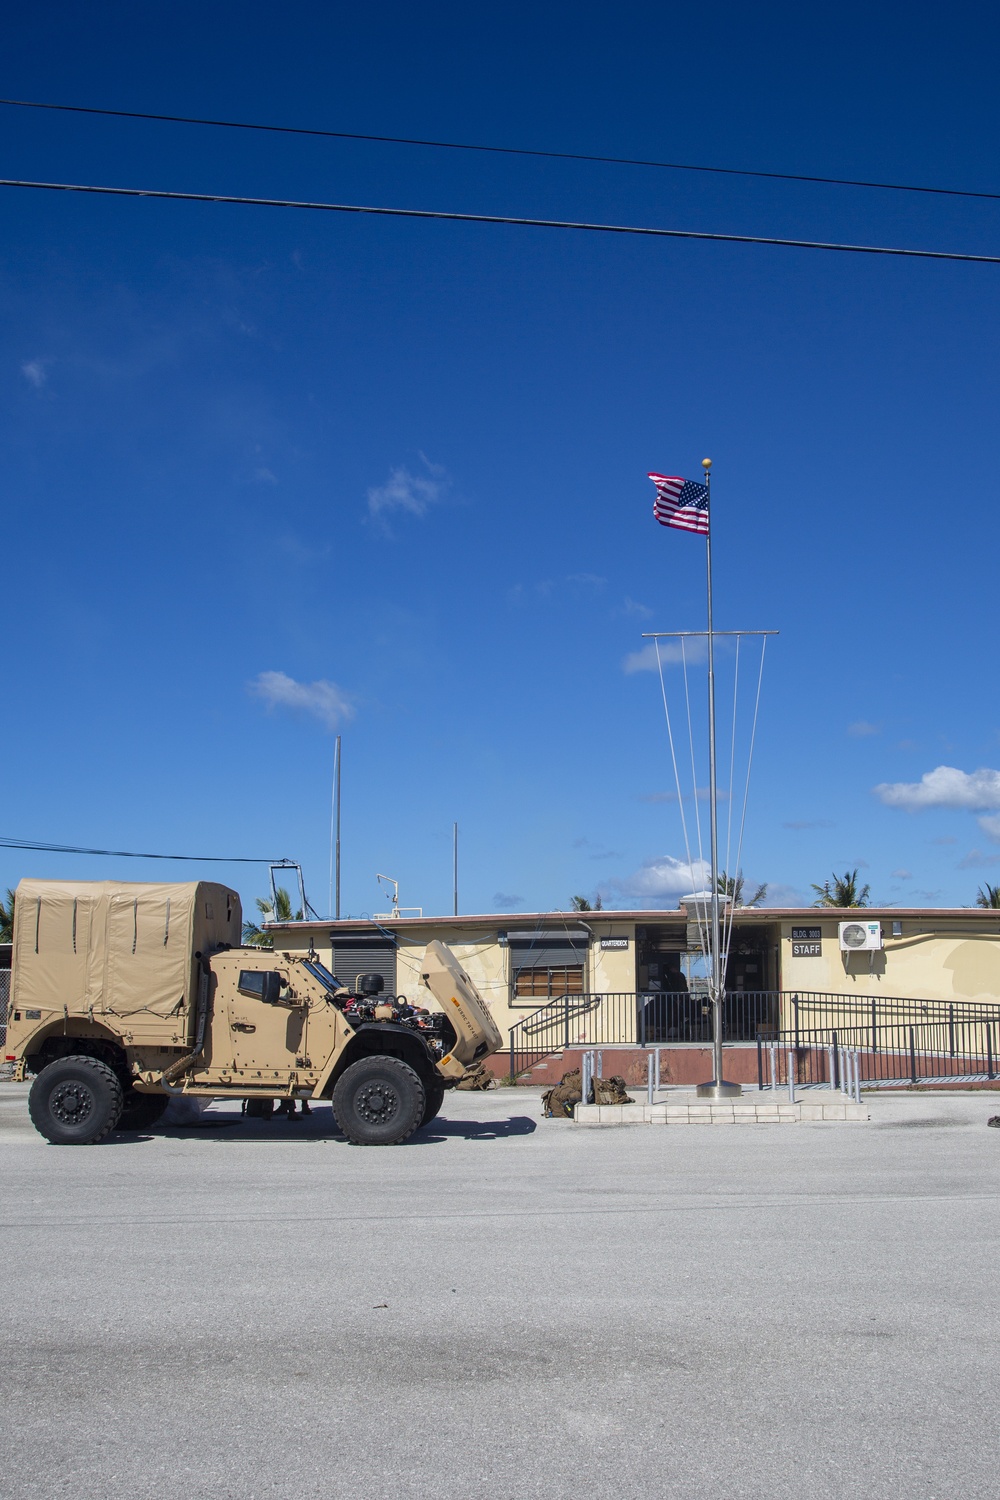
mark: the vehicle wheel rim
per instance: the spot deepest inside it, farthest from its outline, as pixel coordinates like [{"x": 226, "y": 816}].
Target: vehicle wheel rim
[
  {"x": 71, "y": 1103},
  {"x": 376, "y": 1103}
]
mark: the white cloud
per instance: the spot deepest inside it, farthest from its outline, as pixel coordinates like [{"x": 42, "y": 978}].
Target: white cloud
[
  {"x": 861, "y": 729},
  {"x": 786, "y": 895},
  {"x": 977, "y": 860},
  {"x": 408, "y": 493},
  {"x": 692, "y": 652},
  {"x": 633, "y": 607},
  {"x": 902, "y": 874},
  {"x": 323, "y": 700},
  {"x": 945, "y": 786},
  {"x": 34, "y": 373},
  {"x": 666, "y": 876},
  {"x": 555, "y": 588},
  {"x": 504, "y": 901},
  {"x": 990, "y": 825}
]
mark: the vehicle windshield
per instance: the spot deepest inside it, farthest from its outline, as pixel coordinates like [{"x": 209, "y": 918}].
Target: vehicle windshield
[{"x": 322, "y": 973}]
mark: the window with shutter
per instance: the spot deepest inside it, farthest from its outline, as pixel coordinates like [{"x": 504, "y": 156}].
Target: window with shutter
[{"x": 544, "y": 983}]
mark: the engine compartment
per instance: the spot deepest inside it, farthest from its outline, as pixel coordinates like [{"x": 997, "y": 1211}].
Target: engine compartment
[{"x": 364, "y": 1004}]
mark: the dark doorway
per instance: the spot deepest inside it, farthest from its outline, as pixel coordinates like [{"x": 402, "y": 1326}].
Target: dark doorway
[{"x": 751, "y": 1003}]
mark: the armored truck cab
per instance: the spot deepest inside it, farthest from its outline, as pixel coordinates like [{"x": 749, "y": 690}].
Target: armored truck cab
[{"x": 123, "y": 995}]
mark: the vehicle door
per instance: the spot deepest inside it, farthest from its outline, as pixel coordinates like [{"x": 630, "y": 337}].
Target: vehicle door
[{"x": 268, "y": 1022}]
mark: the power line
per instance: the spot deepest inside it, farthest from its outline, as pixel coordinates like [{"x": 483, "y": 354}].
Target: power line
[
  {"x": 405, "y": 140},
  {"x": 427, "y": 213},
  {"x": 220, "y": 859}
]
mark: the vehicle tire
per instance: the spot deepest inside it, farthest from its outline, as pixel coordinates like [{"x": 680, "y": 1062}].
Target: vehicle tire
[
  {"x": 75, "y": 1101},
  {"x": 140, "y": 1111},
  {"x": 379, "y": 1101},
  {"x": 434, "y": 1093},
  {"x": 258, "y": 1109}
]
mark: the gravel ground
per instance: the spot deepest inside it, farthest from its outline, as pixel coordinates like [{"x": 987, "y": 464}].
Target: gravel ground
[{"x": 506, "y": 1305}]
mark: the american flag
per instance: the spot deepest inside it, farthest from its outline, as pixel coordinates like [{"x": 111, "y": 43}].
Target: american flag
[{"x": 681, "y": 502}]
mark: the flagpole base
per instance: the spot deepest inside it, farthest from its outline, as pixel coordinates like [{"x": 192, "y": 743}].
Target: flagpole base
[{"x": 721, "y": 1090}]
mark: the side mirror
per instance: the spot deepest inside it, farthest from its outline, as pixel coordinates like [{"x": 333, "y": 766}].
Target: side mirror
[{"x": 272, "y": 988}]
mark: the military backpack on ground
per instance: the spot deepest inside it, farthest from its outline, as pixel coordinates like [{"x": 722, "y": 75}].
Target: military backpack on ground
[
  {"x": 476, "y": 1076},
  {"x": 559, "y": 1102},
  {"x": 610, "y": 1090}
]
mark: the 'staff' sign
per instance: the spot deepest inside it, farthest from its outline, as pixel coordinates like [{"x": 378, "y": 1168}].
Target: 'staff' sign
[{"x": 807, "y": 942}]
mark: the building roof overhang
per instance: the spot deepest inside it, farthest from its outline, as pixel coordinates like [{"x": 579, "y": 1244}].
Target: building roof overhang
[{"x": 569, "y": 921}]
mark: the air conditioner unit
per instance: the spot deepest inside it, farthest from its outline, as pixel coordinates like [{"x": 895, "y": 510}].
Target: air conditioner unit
[{"x": 860, "y": 937}]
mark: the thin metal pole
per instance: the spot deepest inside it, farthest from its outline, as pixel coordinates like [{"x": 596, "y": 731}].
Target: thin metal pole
[
  {"x": 337, "y": 908},
  {"x": 717, "y": 980},
  {"x": 454, "y": 863},
  {"x": 335, "y": 830}
]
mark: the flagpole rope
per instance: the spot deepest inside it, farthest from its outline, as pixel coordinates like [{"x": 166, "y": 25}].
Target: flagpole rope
[
  {"x": 746, "y": 789},
  {"x": 732, "y": 770},
  {"x": 677, "y": 781},
  {"x": 694, "y": 793}
]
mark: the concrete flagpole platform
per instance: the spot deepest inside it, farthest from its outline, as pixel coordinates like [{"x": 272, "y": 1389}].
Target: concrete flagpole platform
[{"x": 684, "y": 1107}]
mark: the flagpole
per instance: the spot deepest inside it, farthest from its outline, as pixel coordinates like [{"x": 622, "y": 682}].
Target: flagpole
[{"x": 717, "y": 1088}]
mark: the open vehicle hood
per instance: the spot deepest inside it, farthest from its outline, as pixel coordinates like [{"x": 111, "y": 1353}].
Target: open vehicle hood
[{"x": 475, "y": 1030}]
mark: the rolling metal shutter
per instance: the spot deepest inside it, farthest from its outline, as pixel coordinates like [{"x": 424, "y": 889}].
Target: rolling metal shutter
[{"x": 362, "y": 953}]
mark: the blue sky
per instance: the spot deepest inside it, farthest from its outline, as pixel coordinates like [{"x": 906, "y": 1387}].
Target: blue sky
[{"x": 268, "y": 474}]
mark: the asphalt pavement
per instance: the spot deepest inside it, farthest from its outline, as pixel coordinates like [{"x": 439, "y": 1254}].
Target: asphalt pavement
[{"x": 506, "y": 1306}]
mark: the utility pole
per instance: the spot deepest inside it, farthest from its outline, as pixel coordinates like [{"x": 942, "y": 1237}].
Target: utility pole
[
  {"x": 454, "y": 864},
  {"x": 335, "y": 834}
]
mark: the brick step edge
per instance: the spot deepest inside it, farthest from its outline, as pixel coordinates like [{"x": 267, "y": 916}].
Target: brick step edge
[{"x": 710, "y": 1113}]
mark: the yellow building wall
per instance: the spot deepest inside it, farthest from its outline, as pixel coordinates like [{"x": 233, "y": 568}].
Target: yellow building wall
[
  {"x": 946, "y": 959},
  {"x": 486, "y": 961}
]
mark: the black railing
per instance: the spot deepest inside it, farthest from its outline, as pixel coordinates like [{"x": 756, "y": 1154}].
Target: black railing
[
  {"x": 625, "y": 1018},
  {"x": 897, "y": 1041}
]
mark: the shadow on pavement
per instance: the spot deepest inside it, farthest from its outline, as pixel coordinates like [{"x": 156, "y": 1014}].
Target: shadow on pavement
[
  {"x": 319, "y": 1126},
  {"x": 474, "y": 1130}
]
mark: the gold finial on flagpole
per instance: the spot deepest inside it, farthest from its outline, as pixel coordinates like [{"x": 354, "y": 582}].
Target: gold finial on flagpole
[{"x": 706, "y": 463}]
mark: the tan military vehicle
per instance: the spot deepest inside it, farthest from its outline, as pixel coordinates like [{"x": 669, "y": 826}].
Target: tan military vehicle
[{"x": 123, "y": 995}]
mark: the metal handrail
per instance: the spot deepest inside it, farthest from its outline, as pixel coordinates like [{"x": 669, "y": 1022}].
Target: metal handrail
[{"x": 964, "y": 1031}]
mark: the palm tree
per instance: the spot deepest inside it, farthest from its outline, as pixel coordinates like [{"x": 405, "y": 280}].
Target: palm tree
[
  {"x": 7, "y": 918},
  {"x": 580, "y": 903},
  {"x": 732, "y": 886},
  {"x": 279, "y": 910},
  {"x": 990, "y": 897},
  {"x": 841, "y": 891}
]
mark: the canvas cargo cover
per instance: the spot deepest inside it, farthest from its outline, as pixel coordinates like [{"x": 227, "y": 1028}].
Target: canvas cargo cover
[{"x": 125, "y": 950}]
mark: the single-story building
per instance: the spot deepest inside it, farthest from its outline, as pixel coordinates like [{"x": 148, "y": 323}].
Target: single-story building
[{"x": 559, "y": 980}]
